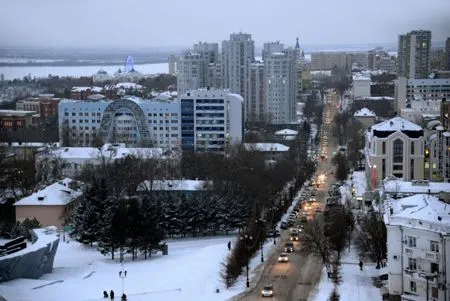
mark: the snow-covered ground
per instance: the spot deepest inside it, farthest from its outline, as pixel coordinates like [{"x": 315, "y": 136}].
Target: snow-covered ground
[
  {"x": 191, "y": 271},
  {"x": 355, "y": 285},
  {"x": 12, "y": 72}
]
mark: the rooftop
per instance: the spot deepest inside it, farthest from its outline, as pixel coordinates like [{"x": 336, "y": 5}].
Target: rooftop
[
  {"x": 420, "y": 211},
  {"x": 83, "y": 89},
  {"x": 110, "y": 151},
  {"x": 172, "y": 185},
  {"x": 359, "y": 183},
  {"x": 396, "y": 124},
  {"x": 55, "y": 194},
  {"x": 10, "y": 113},
  {"x": 288, "y": 132},
  {"x": 266, "y": 147},
  {"x": 415, "y": 187},
  {"x": 364, "y": 112}
]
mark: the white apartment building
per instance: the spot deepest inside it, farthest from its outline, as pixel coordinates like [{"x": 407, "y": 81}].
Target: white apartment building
[
  {"x": 211, "y": 120},
  {"x": 417, "y": 246},
  {"x": 270, "y": 47},
  {"x": 414, "y": 59},
  {"x": 133, "y": 121},
  {"x": 238, "y": 54},
  {"x": 361, "y": 86},
  {"x": 394, "y": 147},
  {"x": 280, "y": 80},
  {"x": 328, "y": 60},
  {"x": 409, "y": 90},
  {"x": 191, "y": 72}
]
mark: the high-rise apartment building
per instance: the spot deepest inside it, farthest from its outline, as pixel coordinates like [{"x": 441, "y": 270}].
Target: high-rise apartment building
[
  {"x": 280, "y": 86},
  {"x": 270, "y": 47},
  {"x": 414, "y": 59},
  {"x": 211, "y": 120},
  {"x": 238, "y": 54},
  {"x": 191, "y": 72},
  {"x": 172, "y": 64},
  {"x": 208, "y": 51},
  {"x": 256, "y": 100}
]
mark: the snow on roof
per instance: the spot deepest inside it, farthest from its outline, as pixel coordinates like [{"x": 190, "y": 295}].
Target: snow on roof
[
  {"x": 128, "y": 86},
  {"x": 172, "y": 185},
  {"x": 110, "y": 151},
  {"x": 364, "y": 112},
  {"x": 288, "y": 132},
  {"x": 396, "y": 124},
  {"x": 360, "y": 77},
  {"x": 415, "y": 187},
  {"x": 28, "y": 144},
  {"x": 266, "y": 147},
  {"x": 55, "y": 194},
  {"x": 375, "y": 98},
  {"x": 359, "y": 183},
  {"x": 420, "y": 211},
  {"x": 83, "y": 89}
]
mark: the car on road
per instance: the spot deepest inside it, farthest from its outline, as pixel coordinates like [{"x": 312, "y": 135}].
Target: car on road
[
  {"x": 283, "y": 225},
  {"x": 267, "y": 291},
  {"x": 283, "y": 257},
  {"x": 289, "y": 247},
  {"x": 318, "y": 209}
]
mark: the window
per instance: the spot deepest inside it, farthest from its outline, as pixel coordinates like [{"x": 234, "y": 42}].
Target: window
[
  {"x": 397, "y": 151},
  {"x": 383, "y": 168},
  {"x": 412, "y": 147},
  {"x": 434, "y": 246},
  {"x": 411, "y": 241},
  {"x": 434, "y": 292},
  {"x": 383, "y": 147},
  {"x": 434, "y": 268},
  {"x": 412, "y": 286},
  {"x": 411, "y": 169},
  {"x": 412, "y": 264}
]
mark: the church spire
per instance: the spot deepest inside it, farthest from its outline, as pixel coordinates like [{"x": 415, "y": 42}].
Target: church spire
[{"x": 297, "y": 45}]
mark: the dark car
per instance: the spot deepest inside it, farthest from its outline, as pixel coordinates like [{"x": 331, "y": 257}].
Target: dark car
[
  {"x": 289, "y": 247},
  {"x": 283, "y": 225}
]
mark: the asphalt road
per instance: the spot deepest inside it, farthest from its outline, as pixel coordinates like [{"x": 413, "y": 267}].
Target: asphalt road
[{"x": 296, "y": 279}]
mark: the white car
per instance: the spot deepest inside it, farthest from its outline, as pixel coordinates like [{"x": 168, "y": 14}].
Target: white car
[
  {"x": 283, "y": 257},
  {"x": 267, "y": 291}
]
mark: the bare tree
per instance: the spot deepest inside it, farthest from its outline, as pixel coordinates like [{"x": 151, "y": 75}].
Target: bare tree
[{"x": 315, "y": 240}]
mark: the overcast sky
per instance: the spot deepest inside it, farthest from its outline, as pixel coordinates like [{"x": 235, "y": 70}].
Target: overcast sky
[{"x": 131, "y": 23}]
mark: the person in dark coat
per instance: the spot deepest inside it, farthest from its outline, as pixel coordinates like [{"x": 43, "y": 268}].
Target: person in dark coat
[
  {"x": 105, "y": 294},
  {"x": 360, "y": 265},
  {"x": 111, "y": 294},
  {"x": 124, "y": 297},
  {"x": 229, "y": 245}
]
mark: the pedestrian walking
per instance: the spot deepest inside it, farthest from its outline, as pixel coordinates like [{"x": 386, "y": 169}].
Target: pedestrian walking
[
  {"x": 124, "y": 297},
  {"x": 105, "y": 294},
  {"x": 111, "y": 294},
  {"x": 361, "y": 265},
  {"x": 229, "y": 245}
]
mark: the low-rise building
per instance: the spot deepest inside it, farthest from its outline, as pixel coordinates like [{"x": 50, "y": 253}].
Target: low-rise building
[
  {"x": 394, "y": 147},
  {"x": 273, "y": 152},
  {"x": 417, "y": 244},
  {"x": 13, "y": 120},
  {"x": 71, "y": 160},
  {"x": 286, "y": 134},
  {"x": 398, "y": 188},
  {"x": 173, "y": 187},
  {"x": 52, "y": 205},
  {"x": 366, "y": 117},
  {"x": 361, "y": 86}
]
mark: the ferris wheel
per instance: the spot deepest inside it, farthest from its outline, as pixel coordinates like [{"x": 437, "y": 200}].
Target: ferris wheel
[{"x": 129, "y": 64}]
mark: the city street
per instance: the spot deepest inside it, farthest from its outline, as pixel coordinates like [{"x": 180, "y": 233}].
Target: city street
[{"x": 294, "y": 280}]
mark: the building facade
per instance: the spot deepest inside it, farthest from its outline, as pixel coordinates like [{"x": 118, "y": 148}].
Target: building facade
[
  {"x": 394, "y": 147},
  {"x": 408, "y": 90},
  {"x": 447, "y": 52},
  {"x": 238, "y": 53},
  {"x": 132, "y": 121},
  {"x": 46, "y": 105},
  {"x": 256, "y": 100},
  {"x": 417, "y": 245},
  {"x": 270, "y": 47},
  {"x": 211, "y": 120},
  {"x": 329, "y": 60},
  {"x": 13, "y": 120},
  {"x": 361, "y": 86},
  {"x": 280, "y": 79},
  {"x": 191, "y": 72},
  {"x": 414, "y": 60}
]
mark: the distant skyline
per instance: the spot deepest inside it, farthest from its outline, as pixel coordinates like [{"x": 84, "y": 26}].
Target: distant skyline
[{"x": 180, "y": 23}]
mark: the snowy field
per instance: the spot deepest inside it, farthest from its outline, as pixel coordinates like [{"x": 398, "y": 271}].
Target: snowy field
[
  {"x": 355, "y": 285},
  {"x": 13, "y": 72},
  {"x": 191, "y": 271}
]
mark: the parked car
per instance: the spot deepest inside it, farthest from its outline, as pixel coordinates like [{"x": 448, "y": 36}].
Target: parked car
[
  {"x": 267, "y": 291},
  {"x": 283, "y": 225},
  {"x": 289, "y": 247},
  {"x": 283, "y": 257}
]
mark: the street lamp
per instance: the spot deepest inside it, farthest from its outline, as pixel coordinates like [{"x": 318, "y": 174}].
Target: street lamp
[
  {"x": 261, "y": 222},
  {"x": 428, "y": 277},
  {"x": 123, "y": 275},
  {"x": 247, "y": 239}
]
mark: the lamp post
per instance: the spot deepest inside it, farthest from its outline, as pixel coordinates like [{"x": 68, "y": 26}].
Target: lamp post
[
  {"x": 123, "y": 275},
  {"x": 261, "y": 222},
  {"x": 428, "y": 277},
  {"x": 247, "y": 239}
]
